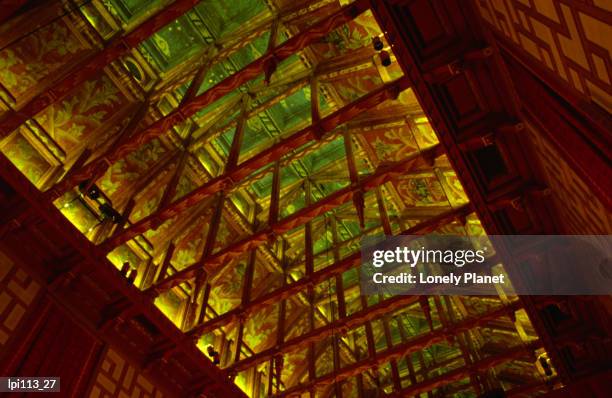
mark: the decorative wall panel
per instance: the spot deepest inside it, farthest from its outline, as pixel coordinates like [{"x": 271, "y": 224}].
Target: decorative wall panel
[
  {"x": 568, "y": 37},
  {"x": 17, "y": 293},
  {"x": 37, "y": 57},
  {"x": 117, "y": 378}
]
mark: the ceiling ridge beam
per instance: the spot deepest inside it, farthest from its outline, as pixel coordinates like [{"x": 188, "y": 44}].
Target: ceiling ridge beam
[{"x": 291, "y": 85}]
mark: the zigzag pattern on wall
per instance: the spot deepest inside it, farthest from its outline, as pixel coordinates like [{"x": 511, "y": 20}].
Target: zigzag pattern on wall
[
  {"x": 117, "y": 378},
  {"x": 17, "y": 292},
  {"x": 569, "y": 37}
]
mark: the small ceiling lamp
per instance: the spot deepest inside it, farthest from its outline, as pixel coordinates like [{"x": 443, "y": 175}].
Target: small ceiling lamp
[
  {"x": 109, "y": 213},
  {"x": 385, "y": 58},
  {"x": 377, "y": 43},
  {"x": 213, "y": 354}
]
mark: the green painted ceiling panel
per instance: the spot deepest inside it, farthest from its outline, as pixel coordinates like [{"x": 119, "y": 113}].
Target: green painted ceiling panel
[{"x": 227, "y": 16}]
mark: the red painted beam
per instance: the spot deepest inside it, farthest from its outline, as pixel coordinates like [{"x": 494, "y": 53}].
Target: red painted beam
[
  {"x": 419, "y": 343},
  {"x": 91, "y": 65},
  {"x": 320, "y": 276},
  {"x": 10, "y": 8},
  {"x": 333, "y": 328},
  {"x": 368, "y": 314},
  {"x": 301, "y": 217},
  {"x": 482, "y": 365},
  {"x": 271, "y": 154},
  {"x": 298, "y": 42}
]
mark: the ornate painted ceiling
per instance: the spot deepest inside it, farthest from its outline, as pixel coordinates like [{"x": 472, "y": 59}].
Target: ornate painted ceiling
[{"x": 236, "y": 195}]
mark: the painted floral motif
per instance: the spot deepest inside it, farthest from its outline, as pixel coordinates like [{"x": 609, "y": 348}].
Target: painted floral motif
[
  {"x": 260, "y": 328},
  {"x": 325, "y": 361},
  {"x": 225, "y": 296},
  {"x": 352, "y": 35},
  {"x": 422, "y": 191},
  {"x": 391, "y": 144},
  {"x": 73, "y": 120},
  {"x": 38, "y": 55},
  {"x": 227, "y": 234},
  {"x": 146, "y": 206},
  {"x": 293, "y": 367},
  {"x": 265, "y": 280},
  {"x": 298, "y": 324},
  {"x": 357, "y": 84},
  {"x": 170, "y": 304},
  {"x": 226, "y": 292},
  {"x": 425, "y": 135},
  {"x": 128, "y": 170},
  {"x": 454, "y": 189}
]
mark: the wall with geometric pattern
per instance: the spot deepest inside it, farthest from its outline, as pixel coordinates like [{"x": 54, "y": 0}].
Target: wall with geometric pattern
[
  {"x": 17, "y": 293},
  {"x": 22, "y": 300},
  {"x": 117, "y": 378},
  {"x": 571, "y": 38}
]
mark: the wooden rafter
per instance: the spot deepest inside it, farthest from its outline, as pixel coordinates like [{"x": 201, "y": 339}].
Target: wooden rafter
[
  {"x": 417, "y": 345},
  {"x": 301, "y": 217},
  {"x": 317, "y": 277},
  {"x": 273, "y": 153},
  {"x": 311, "y": 35}
]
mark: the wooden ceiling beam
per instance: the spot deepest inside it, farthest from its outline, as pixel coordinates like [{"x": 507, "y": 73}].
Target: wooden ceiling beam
[
  {"x": 317, "y": 277},
  {"x": 291, "y": 86},
  {"x": 425, "y": 385},
  {"x": 358, "y": 199},
  {"x": 196, "y": 82},
  {"x": 170, "y": 189},
  {"x": 475, "y": 367},
  {"x": 225, "y": 46},
  {"x": 275, "y": 195},
  {"x": 365, "y": 315},
  {"x": 99, "y": 271},
  {"x": 213, "y": 228},
  {"x": 156, "y": 129},
  {"x": 423, "y": 60},
  {"x": 149, "y": 175},
  {"x": 234, "y": 151},
  {"x": 381, "y": 176},
  {"x": 183, "y": 224},
  {"x": 275, "y": 152}
]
